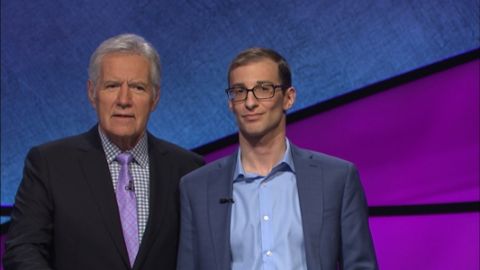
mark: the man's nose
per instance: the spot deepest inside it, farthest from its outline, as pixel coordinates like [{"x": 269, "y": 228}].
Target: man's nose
[
  {"x": 251, "y": 101},
  {"x": 124, "y": 97}
]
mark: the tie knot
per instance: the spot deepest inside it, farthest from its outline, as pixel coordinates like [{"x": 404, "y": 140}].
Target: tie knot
[{"x": 124, "y": 158}]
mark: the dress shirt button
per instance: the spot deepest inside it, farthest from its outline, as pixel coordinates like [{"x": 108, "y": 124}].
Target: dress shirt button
[
  {"x": 269, "y": 253},
  {"x": 266, "y": 218}
]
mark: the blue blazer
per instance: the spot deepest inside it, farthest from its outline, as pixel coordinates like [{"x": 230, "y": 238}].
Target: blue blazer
[{"x": 332, "y": 204}]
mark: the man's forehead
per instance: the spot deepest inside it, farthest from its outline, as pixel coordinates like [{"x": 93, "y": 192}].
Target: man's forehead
[
  {"x": 255, "y": 72},
  {"x": 256, "y": 61},
  {"x": 120, "y": 64},
  {"x": 258, "y": 82}
]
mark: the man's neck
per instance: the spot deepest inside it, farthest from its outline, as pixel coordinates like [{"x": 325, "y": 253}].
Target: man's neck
[
  {"x": 123, "y": 143},
  {"x": 259, "y": 155}
]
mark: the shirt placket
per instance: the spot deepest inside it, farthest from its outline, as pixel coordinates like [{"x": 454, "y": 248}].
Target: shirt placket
[{"x": 265, "y": 201}]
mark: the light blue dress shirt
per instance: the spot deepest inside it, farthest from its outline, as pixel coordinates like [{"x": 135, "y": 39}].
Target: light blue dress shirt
[{"x": 266, "y": 223}]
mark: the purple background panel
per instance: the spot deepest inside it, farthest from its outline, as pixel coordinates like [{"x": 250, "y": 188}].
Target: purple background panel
[
  {"x": 427, "y": 242},
  {"x": 416, "y": 143}
]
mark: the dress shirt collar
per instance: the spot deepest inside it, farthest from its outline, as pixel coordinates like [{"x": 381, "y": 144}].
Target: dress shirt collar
[{"x": 286, "y": 164}]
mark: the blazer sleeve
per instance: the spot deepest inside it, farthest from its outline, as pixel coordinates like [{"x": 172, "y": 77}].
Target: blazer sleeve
[
  {"x": 357, "y": 250},
  {"x": 29, "y": 239},
  {"x": 186, "y": 250}
]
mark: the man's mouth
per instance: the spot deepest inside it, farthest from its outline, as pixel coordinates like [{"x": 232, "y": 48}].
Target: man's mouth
[
  {"x": 123, "y": 115},
  {"x": 251, "y": 116}
]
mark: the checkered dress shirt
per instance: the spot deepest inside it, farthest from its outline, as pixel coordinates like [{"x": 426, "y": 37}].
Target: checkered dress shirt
[{"x": 140, "y": 170}]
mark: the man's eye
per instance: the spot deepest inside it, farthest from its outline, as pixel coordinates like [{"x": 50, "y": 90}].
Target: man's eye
[
  {"x": 238, "y": 90},
  {"x": 266, "y": 87},
  {"x": 138, "y": 87}
]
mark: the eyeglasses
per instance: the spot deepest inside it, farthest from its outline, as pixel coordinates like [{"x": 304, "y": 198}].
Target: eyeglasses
[{"x": 260, "y": 91}]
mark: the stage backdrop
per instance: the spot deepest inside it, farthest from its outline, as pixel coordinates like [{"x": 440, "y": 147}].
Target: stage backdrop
[{"x": 333, "y": 47}]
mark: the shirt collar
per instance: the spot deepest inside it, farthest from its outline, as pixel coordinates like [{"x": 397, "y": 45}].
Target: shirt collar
[
  {"x": 139, "y": 151},
  {"x": 286, "y": 164}
]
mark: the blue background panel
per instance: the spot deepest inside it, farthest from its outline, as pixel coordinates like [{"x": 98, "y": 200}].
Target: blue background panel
[{"x": 333, "y": 47}]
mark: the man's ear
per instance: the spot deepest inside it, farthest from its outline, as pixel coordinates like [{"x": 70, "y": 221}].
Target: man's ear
[
  {"x": 230, "y": 105},
  {"x": 91, "y": 92},
  {"x": 289, "y": 98}
]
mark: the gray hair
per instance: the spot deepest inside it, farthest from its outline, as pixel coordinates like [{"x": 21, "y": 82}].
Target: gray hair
[{"x": 126, "y": 43}]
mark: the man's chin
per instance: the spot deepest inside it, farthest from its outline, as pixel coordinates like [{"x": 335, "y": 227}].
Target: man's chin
[
  {"x": 252, "y": 133},
  {"x": 123, "y": 134}
]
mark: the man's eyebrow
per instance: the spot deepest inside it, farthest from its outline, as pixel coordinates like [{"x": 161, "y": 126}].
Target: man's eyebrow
[
  {"x": 137, "y": 83},
  {"x": 261, "y": 82},
  {"x": 238, "y": 85},
  {"x": 111, "y": 82}
]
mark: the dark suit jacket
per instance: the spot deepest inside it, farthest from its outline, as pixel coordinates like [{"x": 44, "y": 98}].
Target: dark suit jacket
[
  {"x": 66, "y": 216},
  {"x": 332, "y": 204}
]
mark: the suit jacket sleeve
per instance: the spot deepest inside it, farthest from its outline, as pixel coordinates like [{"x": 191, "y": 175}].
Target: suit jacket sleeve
[
  {"x": 29, "y": 239},
  {"x": 186, "y": 252},
  {"x": 357, "y": 248}
]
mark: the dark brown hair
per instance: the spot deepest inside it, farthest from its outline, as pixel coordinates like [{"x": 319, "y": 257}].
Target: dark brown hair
[{"x": 255, "y": 54}]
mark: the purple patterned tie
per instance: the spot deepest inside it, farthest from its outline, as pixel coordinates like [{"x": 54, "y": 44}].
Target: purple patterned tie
[{"x": 127, "y": 206}]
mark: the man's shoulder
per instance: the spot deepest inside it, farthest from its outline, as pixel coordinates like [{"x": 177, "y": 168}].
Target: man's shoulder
[
  {"x": 216, "y": 167},
  {"x": 319, "y": 157},
  {"x": 177, "y": 151},
  {"x": 63, "y": 150},
  {"x": 333, "y": 171},
  {"x": 66, "y": 143}
]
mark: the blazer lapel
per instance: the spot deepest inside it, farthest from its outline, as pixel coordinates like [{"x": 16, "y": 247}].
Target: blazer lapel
[
  {"x": 158, "y": 198},
  {"x": 310, "y": 194},
  {"x": 220, "y": 186},
  {"x": 99, "y": 180}
]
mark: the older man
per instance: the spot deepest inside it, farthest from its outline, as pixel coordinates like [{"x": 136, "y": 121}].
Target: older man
[{"x": 108, "y": 198}]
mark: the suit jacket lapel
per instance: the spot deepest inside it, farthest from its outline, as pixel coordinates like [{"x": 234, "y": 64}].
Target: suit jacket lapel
[
  {"x": 310, "y": 194},
  {"x": 158, "y": 198},
  {"x": 310, "y": 191},
  {"x": 98, "y": 178},
  {"x": 220, "y": 185}
]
